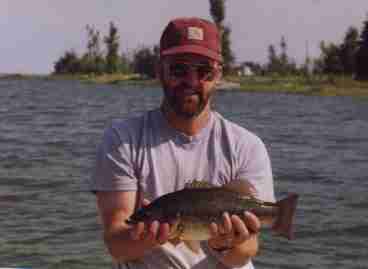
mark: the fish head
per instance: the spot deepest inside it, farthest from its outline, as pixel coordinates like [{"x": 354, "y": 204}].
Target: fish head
[{"x": 147, "y": 214}]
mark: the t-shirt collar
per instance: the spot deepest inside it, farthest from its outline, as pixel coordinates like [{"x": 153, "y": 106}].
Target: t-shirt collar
[{"x": 182, "y": 137}]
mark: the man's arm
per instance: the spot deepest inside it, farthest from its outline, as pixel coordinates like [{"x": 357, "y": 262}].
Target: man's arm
[{"x": 125, "y": 242}]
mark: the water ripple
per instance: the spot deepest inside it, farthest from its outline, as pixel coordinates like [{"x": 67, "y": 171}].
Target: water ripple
[{"x": 48, "y": 137}]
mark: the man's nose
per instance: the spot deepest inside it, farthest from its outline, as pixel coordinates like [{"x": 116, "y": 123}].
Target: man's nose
[{"x": 192, "y": 78}]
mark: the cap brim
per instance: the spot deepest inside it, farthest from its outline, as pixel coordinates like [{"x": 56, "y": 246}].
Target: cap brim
[{"x": 193, "y": 49}]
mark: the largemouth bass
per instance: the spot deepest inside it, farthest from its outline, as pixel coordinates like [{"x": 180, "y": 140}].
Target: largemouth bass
[{"x": 191, "y": 210}]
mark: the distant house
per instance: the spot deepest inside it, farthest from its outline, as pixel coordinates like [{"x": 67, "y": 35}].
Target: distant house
[
  {"x": 246, "y": 71},
  {"x": 243, "y": 70}
]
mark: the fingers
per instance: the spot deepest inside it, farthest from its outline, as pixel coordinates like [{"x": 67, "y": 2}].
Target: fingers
[
  {"x": 153, "y": 230},
  {"x": 214, "y": 230},
  {"x": 227, "y": 225},
  {"x": 247, "y": 226},
  {"x": 154, "y": 233},
  {"x": 163, "y": 235},
  {"x": 252, "y": 222},
  {"x": 234, "y": 229},
  {"x": 137, "y": 232},
  {"x": 240, "y": 229},
  {"x": 222, "y": 235}
]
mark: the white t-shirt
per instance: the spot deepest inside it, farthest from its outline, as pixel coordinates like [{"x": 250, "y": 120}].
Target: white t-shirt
[{"x": 148, "y": 155}]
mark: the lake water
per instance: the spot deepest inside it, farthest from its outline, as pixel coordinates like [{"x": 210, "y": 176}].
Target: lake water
[{"x": 48, "y": 135}]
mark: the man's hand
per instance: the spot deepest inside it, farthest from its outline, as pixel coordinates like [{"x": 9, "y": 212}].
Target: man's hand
[
  {"x": 154, "y": 233},
  {"x": 127, "y": 242},
  {"x": 234, "y": 230}
]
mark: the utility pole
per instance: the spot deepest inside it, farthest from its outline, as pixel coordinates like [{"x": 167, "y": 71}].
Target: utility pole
[{"x": 307, "y": 58}]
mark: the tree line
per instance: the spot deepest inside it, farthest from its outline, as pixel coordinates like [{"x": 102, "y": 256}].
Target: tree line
[
  {"x": 108, "y": 60},
  {"x": 347, "y": 58},
  {"x": 350, "y": 57},
  {"x": 98, "y": 61}
]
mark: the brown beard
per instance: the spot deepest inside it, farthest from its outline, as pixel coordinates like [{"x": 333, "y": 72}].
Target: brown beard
[{"x": 174, "y": 98}]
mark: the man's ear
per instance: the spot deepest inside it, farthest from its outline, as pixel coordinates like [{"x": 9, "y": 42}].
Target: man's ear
[{"x": 219, "y": 76}]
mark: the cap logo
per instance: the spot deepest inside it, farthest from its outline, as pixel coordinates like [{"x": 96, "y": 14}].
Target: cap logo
[{"x": 195, "y": 33}]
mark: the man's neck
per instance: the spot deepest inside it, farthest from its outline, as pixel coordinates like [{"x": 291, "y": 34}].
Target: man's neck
[{"x": 187, "y": 126}]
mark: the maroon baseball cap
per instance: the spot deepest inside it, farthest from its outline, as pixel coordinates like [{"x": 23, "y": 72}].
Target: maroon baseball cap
[{"x": 191, "y": 35}]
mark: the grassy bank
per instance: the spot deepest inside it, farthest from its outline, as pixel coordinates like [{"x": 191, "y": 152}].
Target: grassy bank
[
  {"x": 125, "y": 79},
  {"x": 313, "y": 85}
]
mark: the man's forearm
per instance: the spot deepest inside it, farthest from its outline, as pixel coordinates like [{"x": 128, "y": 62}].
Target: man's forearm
[{"x": 123, "y": 248}]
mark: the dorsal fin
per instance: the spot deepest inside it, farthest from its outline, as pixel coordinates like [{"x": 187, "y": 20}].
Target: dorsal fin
[
  {"x": 242, "y": 187},
  {"x": 196, "y": 184}
]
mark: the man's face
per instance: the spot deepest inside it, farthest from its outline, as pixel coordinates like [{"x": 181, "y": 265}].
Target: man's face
[{"x": 188, "y": 81}]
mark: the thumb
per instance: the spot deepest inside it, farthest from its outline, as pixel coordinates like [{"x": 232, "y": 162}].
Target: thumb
[
  {"x": 141, "y": 201},
  {"x": 145, "y": 202}
]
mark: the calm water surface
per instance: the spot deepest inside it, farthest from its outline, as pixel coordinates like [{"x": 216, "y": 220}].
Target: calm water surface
[{"x": 48, "y": 135}]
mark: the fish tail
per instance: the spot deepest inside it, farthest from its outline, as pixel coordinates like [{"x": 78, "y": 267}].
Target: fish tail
[{"x": 284, "y": 223}]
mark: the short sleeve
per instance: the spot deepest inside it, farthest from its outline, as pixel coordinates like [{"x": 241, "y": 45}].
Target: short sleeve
[
  {"x": 114, "y": 168},
  {"x": 255, "y": 166}
]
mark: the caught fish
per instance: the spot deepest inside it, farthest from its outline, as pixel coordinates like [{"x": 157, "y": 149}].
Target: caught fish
[{"x": 191, "y": 210}]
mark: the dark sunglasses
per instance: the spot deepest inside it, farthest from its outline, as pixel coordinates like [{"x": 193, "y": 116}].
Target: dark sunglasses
[{"x": 205, "y": 71}]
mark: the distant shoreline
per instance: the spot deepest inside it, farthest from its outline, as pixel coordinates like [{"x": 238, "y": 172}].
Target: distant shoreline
[{"x": 313, "y": 85}]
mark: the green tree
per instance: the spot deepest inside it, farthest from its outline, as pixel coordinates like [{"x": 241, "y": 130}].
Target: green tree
[
  {"x": 330, "y": 60},
  {"x": 217, "y": 11},
  {"x": 227, "y": 53},
  {"x": 273, "y": 65},
  {"x": 317, "y": 66},
  {"x": 69, "y": 63},
  {"x": 144, "y": 61},
  {"x": 112, "y": 46},
  {"x": 362, "y": 54},
  {"x": 348, "y": 50},
  {"x": 283, "y": 58},
  {"x": 125, "y": 64},
  {"x": 93, "y": 60},
  {"x": 340, "y": 58},
  {"x": 280, "y": 64}
]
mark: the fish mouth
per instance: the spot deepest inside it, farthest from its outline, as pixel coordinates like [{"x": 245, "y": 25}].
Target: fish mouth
[{"x": 130, "y": 222}]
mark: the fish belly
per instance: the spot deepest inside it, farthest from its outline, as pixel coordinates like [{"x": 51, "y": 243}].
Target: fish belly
[{"x": 195, "y": 231}]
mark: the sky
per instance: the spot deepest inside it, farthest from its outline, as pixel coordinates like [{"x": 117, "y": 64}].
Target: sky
[{"x": 34, "y": 34}]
